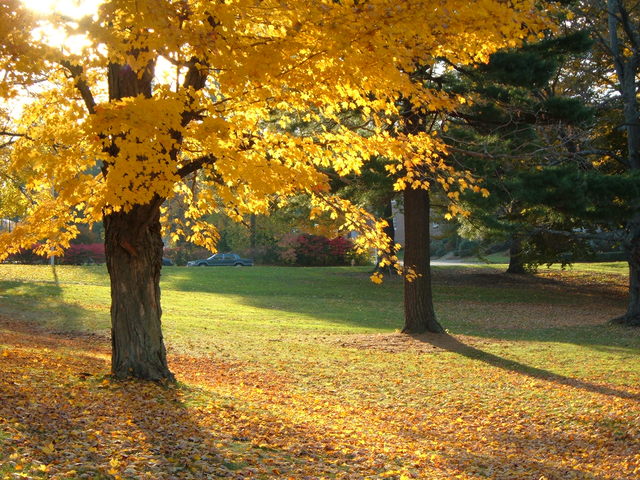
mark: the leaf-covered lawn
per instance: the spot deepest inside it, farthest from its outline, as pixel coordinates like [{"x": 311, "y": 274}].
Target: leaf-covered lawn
[{"x": 298, "y": 373}]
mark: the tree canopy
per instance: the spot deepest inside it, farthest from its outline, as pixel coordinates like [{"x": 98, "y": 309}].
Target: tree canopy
[{"x": 209, "y": 80}]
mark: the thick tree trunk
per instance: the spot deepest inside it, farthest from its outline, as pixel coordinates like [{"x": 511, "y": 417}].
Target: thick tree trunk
[
  {"x": 621, "y": 23},
  {"x": 516, "y": 263},
  {"x": 419, "y": 315},
  {"x": 632, "y": 246},
  {"x": 133, "y": 247}
]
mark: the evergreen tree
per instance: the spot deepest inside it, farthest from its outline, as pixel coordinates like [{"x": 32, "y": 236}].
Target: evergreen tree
[{"x": 518, "y": 126}]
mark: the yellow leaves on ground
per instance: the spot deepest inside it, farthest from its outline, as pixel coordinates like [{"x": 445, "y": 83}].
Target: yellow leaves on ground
[
  {"x": 48, "y": 449},
  {"x": 348, "y": 418}
]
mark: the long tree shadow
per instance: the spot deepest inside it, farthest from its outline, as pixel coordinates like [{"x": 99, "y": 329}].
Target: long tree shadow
[
  {"x": 62, "y": 413},
  {"x": 72, "y": 421},
  {"x": 505, "y": 467},
  {"x": 126, "y": 429},
  {"x": 451, "y": 344},
  {"x": 41, "y": 304},
  {"x": 349, "y": 299}
]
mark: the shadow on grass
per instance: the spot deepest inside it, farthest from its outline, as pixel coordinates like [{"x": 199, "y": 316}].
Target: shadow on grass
[
  {"x": 84, "y": 429},
  {"x": 452, "y": 344},
  {"x": 345, "y": 296},
  {"x": 338, "y": 295},
  {"x": 567, "y": 287},
  {"x": 535, "y": 465},
  {"x": 41, "y": 304},
  {"x": 58, "y": 411}
]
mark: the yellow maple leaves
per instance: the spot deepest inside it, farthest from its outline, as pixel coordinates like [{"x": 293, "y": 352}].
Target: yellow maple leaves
[{"x": 344, "y": 66}]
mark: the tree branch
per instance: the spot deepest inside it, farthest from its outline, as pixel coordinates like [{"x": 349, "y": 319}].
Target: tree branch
[
  {"x": 82, "y": 86},
  {"x": 627, "y": 26},
  {"x": 196, "y": 165}
]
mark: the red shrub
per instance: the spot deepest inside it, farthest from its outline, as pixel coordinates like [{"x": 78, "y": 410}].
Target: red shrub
[
  {"x": 315, "y": 250},
  {"x": 80, "y": 254},
  {"x": 340, "y": 247}
]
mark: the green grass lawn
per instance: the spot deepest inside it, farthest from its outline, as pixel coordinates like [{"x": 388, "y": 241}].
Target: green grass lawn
[
  {"x": 203, "y": 307},
  {"x": 532, "y": 370}
]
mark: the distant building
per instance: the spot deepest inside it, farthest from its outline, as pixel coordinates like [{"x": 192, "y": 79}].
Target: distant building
[
  {"x": 436, "y": 228},
  {"x": 7, "y": 225}
]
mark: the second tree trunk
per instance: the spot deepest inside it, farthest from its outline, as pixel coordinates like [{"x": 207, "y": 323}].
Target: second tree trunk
[{"x": 419, "y": 315}]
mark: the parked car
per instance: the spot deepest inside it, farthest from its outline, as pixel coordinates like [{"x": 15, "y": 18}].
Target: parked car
[
  {"x": 166, "y": 262},
  {"x": 222, "y": 259}
]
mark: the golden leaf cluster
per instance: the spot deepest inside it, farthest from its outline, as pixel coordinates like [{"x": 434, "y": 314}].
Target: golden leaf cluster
[{"x": 229, "y": 143}]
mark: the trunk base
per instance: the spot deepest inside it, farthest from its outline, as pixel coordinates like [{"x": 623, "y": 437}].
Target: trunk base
[
  {"x": 432, "y": 328},
  {"x": 516, "y": 264},
  {"x": 627, "y": 320},
  {"x": 516, "y": 271}
]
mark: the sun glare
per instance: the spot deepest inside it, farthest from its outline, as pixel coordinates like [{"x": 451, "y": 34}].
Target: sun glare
[
  {"x": 73, "y": 10},
  {"x": 70, "y": 8}
]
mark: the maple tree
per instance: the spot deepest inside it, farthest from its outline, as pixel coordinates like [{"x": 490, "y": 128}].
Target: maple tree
[{"x": 110, "y": 135}]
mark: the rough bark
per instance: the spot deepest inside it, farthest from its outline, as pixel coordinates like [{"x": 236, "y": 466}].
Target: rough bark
[
  {"x": 632, "y": 247},
  {"x": 624, "y": 32},
  {"x": 516, "y": 263},
  {"x": 133, "y": 247},
  {"x": 419, "y": 315}
]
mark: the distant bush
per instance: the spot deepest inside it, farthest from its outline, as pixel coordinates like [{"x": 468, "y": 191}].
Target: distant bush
[
  {"x": 315, "y": 250},
  {"x": 442, "y": 246},
  {"x": 467, "y": 248},
  {"x": 340, "y": 247},
  {"x": 82, "y": 254},
  {"x": 496, "y": 247},
  {"x": 26, "y": 256},
  {"x": 76, "y": 254},
  {"x": 180, "y": 255}
]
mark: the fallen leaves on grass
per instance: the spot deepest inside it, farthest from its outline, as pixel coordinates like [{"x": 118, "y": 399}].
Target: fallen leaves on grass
[
  {"x": 60, "y": 417},
  {"x": 399, "y": 342}
]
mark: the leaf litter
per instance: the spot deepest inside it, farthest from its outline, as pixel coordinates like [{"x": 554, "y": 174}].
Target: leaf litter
[{"x": 376, "y": 406}]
